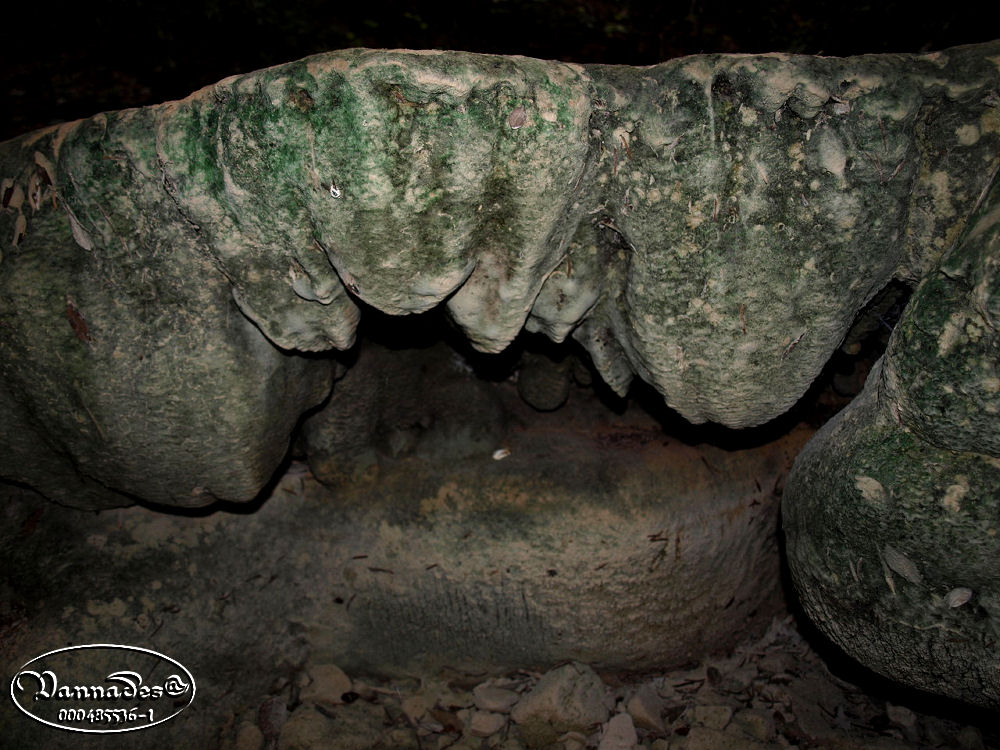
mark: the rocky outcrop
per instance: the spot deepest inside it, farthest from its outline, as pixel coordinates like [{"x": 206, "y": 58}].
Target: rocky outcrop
[
  {"x": 711, "y": 224},
  {"x": 891, "y": 511},
  {"x": 174, "y": 281}
]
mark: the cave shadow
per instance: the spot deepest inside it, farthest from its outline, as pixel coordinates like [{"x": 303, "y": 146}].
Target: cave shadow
[{"x": 824, "y": 398}]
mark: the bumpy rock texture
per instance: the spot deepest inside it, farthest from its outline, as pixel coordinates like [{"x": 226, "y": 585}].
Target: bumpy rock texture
[
  {"x": 891, "y": 510},
  {"x": 711, "y": 224},
  {"x": 569, "y": 548}
]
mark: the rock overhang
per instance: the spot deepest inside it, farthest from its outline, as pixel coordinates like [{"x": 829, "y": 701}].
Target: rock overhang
[
  {"x": 685, "y": 221},
  {"x": 712, "y": 225}
]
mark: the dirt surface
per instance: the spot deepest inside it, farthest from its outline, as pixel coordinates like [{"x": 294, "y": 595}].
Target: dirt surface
[{"x": 777, "y": 691}]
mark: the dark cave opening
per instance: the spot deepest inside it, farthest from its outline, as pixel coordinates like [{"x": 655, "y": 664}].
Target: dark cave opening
[{"x": 562, "y": 372}]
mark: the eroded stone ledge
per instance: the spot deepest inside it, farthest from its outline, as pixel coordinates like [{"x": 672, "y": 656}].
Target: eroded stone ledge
[{"x": 711, "y": 224}]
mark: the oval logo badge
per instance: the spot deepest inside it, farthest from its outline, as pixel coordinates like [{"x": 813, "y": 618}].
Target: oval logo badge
[{"x": 102, "y": 688}]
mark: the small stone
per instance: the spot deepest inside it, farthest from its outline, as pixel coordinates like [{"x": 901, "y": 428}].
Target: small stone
[
  {"x": 970, "y": 738},
  {"x": 667, "y": 691},
  {"x": 308, "y": 728},
  {"x": 755, "y": 723},
  {"x": 905, "y": 720},
  {"x": 429, "y": 727},
  {"x": 567, "y": 698},
  {"x": 466, "y": 742},
  {"x": 619, "y": 734},
  {"x": 415, "y": 706},
  {"x": 777, "y": 694},
  {"x": 400, "y": 738},
  {"x": 573, "y": 741},
  {"x": 249, "y": 737},
  {"x": 691, "y": 679},
  {"x": 485, "y": 723},
  {"x": 775, "y": 663},
  {"x": 713, "y": 717},
  {"x": 328, "y": 687},
  {"x": 815, "y": 700},
  {"x": 450, "y": 720},
  {"x": 271, "y": 716},
  {"x": 739, "y": 680},
  {"x": 704, "y": 738},
  {"x": 646, "y": 708},
  {"x": 489, "y": 698},
  {"x": 660, "y": 745},
  {"x": 364, "y": 690}
]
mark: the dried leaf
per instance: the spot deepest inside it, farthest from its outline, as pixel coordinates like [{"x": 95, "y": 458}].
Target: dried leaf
[
  {"x": 901, "y": 564},
  {"x": 958, "y": 596},
  {"x": 77, "y": 322},
  {"x": 518, "y": 118}
]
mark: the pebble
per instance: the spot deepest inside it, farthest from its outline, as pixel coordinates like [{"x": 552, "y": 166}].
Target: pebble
[
  {"x": 567, "y": 698},
  {"x": 619, "y": 734},
  {"x": 271, "y": 716},
  {"x": 328, "y": 685},
  {"x": 730, "y": 704},
  {"x": 646, "y": 708},
  {"x": 739, "y": 680},
  {"x": 705, "y": 738},
  {"x": 486, "y": 723},
  {"x": 402, "y": 738},
  {"x": 573, "y": 741},
  {"x": 776, "y": 663},
  {"x": 249, "y": 737},
  {"x": 713, "y": 717},
  {"x": 755, "y": 723},
  {"x": 307, "y": 729},
  {"x": 415, "y": 706},
  {"x": 490, "y": 698},
  {"x": 467, "y": 742}
]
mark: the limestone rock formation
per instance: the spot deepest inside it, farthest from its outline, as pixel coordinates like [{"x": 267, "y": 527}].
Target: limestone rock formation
[
  {"x": 711, "y": 224},
  {"x": 891, "y": 511},
  {"x": 174, "y": 281}
]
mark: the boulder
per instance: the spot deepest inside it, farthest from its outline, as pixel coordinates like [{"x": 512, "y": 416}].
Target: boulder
[{"x": 891, "y": 511}]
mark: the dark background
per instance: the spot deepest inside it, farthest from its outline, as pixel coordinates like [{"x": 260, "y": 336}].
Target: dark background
[{"x": 61, "y": 61}]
